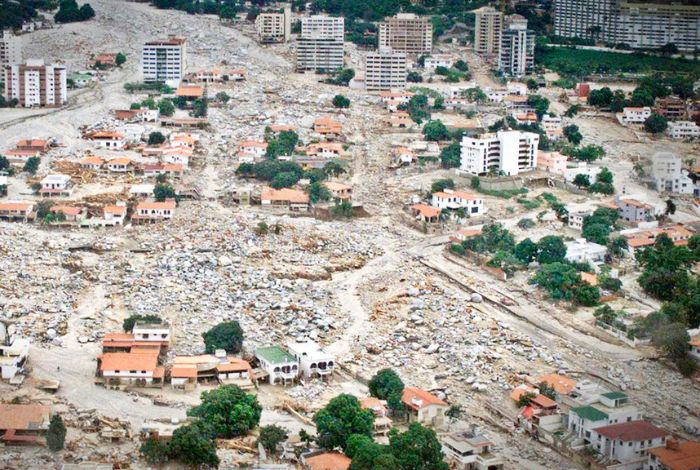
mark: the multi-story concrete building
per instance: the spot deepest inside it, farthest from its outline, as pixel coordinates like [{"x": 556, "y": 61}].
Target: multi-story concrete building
[
  {"x": 487, "y": 31},
  {"x": 683, "y": 130},
  {"x": 509, "y": 152},
  {"x": 517, "y": 54},
  {"x": 669, "y": 174},
  {"x": 274, "y": 26},
  {"x": 36, "y": 84},
  {"x": 320, "y": 46},
  {"x": 164, "y": 60},
  {"x": 385, "y": 70},
  {"x": 639, "y": 24},
  {"x": 407, "y": 32},
  {"x": 10, "y": 49}
]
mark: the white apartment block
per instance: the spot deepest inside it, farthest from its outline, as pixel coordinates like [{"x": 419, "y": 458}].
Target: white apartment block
[
  {"x": 510, "y": 152},
  {"x": 517, "y": 54},
  {"x": 407, "y": 32},
  {"x": 385, "y": 70},
  {"x": 669, "y": 174},
  {"x": 36, "y": 84},
  {"x": 320, "y": 46},
  {"x": 650, "y": 24},
  {"x": 164, "y": 60},
  {"x": 274, "y": 26},
  {"x": 10, "y": 49},
  {"x": 634, "y": 115},
  {"x": 314, "y": 361},
  {"x": 683, "y": 130},
  {"x": 487, "y": 31}
]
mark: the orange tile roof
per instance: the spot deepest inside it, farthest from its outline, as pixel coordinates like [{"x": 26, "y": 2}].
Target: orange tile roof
[
  {"x": 253, "y": 143},
  {"x": 116, "y": 210},
  {"x": 521, "y": 390},
  {"x": 16, "y": 206},
  {"x": 67, "y": 210},
  {"x": 119, "y": 161},
  {"x": 128, "y": 361},
  {"x": 328, "y": 461},
  {"x": 234, "y": 365},
  {"x": 184, "y": 371},
  {"x": 284, "y": 194},
  {"x": 282, "y": 128},
  {"x": 425, "y": 210},
  {"x": 24, "y": 417},
  {"x": 371, "y": 402},
  {"x": 544, "y": 402},
  {"x": 417, "y": 398},
  {"x": 635, "y": 203},
  {"x": 189, "y": 91},
  {"x": 588, "y": 278},
  {"x": 333, "y": 186},
  {"x": 561, "y": 384},
  {"x": 631, "y": 431},
  {"x": 33, "y": 143},
  {"x": 165, "y": 205},
  {"x": 107, "y": 135},
  {"x": 118, "y": 337},
  {"x": 686, "y": 456},
  {"x": 91, "y": 160}
]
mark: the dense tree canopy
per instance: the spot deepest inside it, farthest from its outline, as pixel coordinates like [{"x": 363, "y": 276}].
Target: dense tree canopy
[
  {"x": 229, "y": 411},
  {"x": 341, "y": 418}
]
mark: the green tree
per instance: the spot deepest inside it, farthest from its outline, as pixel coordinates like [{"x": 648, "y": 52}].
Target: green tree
[
  {"x": 340, "y": 101},
  {"x": 228, "y": 410},
  {"x": 596, "y": 233},
  {"x": 451, "y": 156},
  {"x": 120, "y": 58},
  {"x": 475, "y": 94},
  {"x": 461, "y": 65},
  {"x": 129, "y": 322},
  {"x": 414, "y": 77},
  {"x": 200, "y": 107},
  {"x": 271, "y": 436},
  {"x": 547, "y": 390},
  {"x": 32, "y": 165},
  {"x": 262, "y": 228},
  {"x": 686, "y": 366},
  {"x": 655, "y": 124},
  {"x": 526, "y": 251},
  {"x": 222, "y": 97},
  {"x": 387, "y": 385},
  {"x": 417, "y": 449},
  {"x": 435, "y": 131},
  {"x": 155, "y": 138},
  {"x": 539, "y": 103},
  {"x": 454, "y": 413},
  {"x": 600, "y": 98},
  {"x": 441, "y": 185},
  {"x": 341, "y": 418},
  {"x": 559, "y": 279},
  {"x": 56, "y": 435},
  {"x": 582, "y": 181},
  {"x": 226, "y": 335},
  {"x": 194, "y": 445},
  {"x": 285, "y": 179},
  {"x": 283, "y": 144},
  {"x": 572, "y": 134},
  {"x": 162, "y": 192},
  {"x": 551, "y": 249},
  {"x": 525, "y": 399},
  {"x": 418, "y": 108},
  {"x": 586, "y": 295},
  {"x": 154, "y": 452},
  {"x": 166, "y": 107},
  {"x": 532, "y": 84},
  {"x": 318, "y": 192},
  {"x": 617, "y": 246},
  {"x": 672, "y": 339},
  {"x": 364, "y": 452}
]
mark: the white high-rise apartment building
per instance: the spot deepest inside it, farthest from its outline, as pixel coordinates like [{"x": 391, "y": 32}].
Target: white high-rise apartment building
[
  {"x": 669, "y": 174},
  {"x": 274, "y": 26},
  {"x": 10, "y": 49},
  {"x": 408, "y": 33},
  {"x": 320, "y": 45},
  {"x": 639, "y": 24},
  {"x": 36, "y": 84},
  {"x": 487, "y": 31},
  {"x": 510, "y": 152},
  {"x": 386, "y": 70},
  {"x": 517, "y": 54},
  {"x": 164, "y": 60}
]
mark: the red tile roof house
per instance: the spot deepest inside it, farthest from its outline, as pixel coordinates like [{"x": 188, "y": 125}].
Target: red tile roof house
[
  {"x": 627, "y": 443},
  {"x": 23, "y": 424},
  {"x": 293, "y": 199},
  {"x": 675, "y": 456},
  {"x": 26, "y": 149},
  {"x": 19, "y": 210},
  {"x": 133, "y": 368},
  {"x": 423, "y": 407},
  {"x": 174, "y": 170},
  {"x": 152, "y": 212},
  {"x": 108, "y": 139},
  {"x": 425, "y": 213},
  {"x": 254, "y": 147},
  {"x": 326, "y": 461},
  {"x": 339, "y": 190},
  {"x": 91, "y": 163},
  {"x": 327, "y": 126},
  {"x": 72, "y": 213}
]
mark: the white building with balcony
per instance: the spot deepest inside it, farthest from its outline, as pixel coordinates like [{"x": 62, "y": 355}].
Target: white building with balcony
[
  {"x": 469, "y": 450},
  {"x": 454, "y": 200},
  {"x": 683, "y": 130},
  {"x": 280, "y": 366},
  {"x": 314, "y": 361},
  {"x": 507, "y": 152}
]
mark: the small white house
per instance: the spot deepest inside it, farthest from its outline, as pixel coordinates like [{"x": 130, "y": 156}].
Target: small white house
[
  {"x": 450, "y": 199},
  {"x": 114, "y": 215},
  {"x": 55, "y": 185},
  {"x": 120, "y": 165},
  {"x": 438, "y": 60},
  {"x": 627, "y": 443},
  {"x": 153, "y": 332},
  {"x": 13, "y": 352},
  {"x": 111, "y": 140},
  {"x": 424, "y": 407},
  {"x": 280, "y": 366},
  {"x": 144, "y": 190},
  {"x": 130, "y": 368},
  {"x": 151, "y": 212},
  {"x": 635, "y": 115},
  {"x": 581, "y": 250},
  {"x": 313, "y": 360},
  {"x": 256, "y": 147}
]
